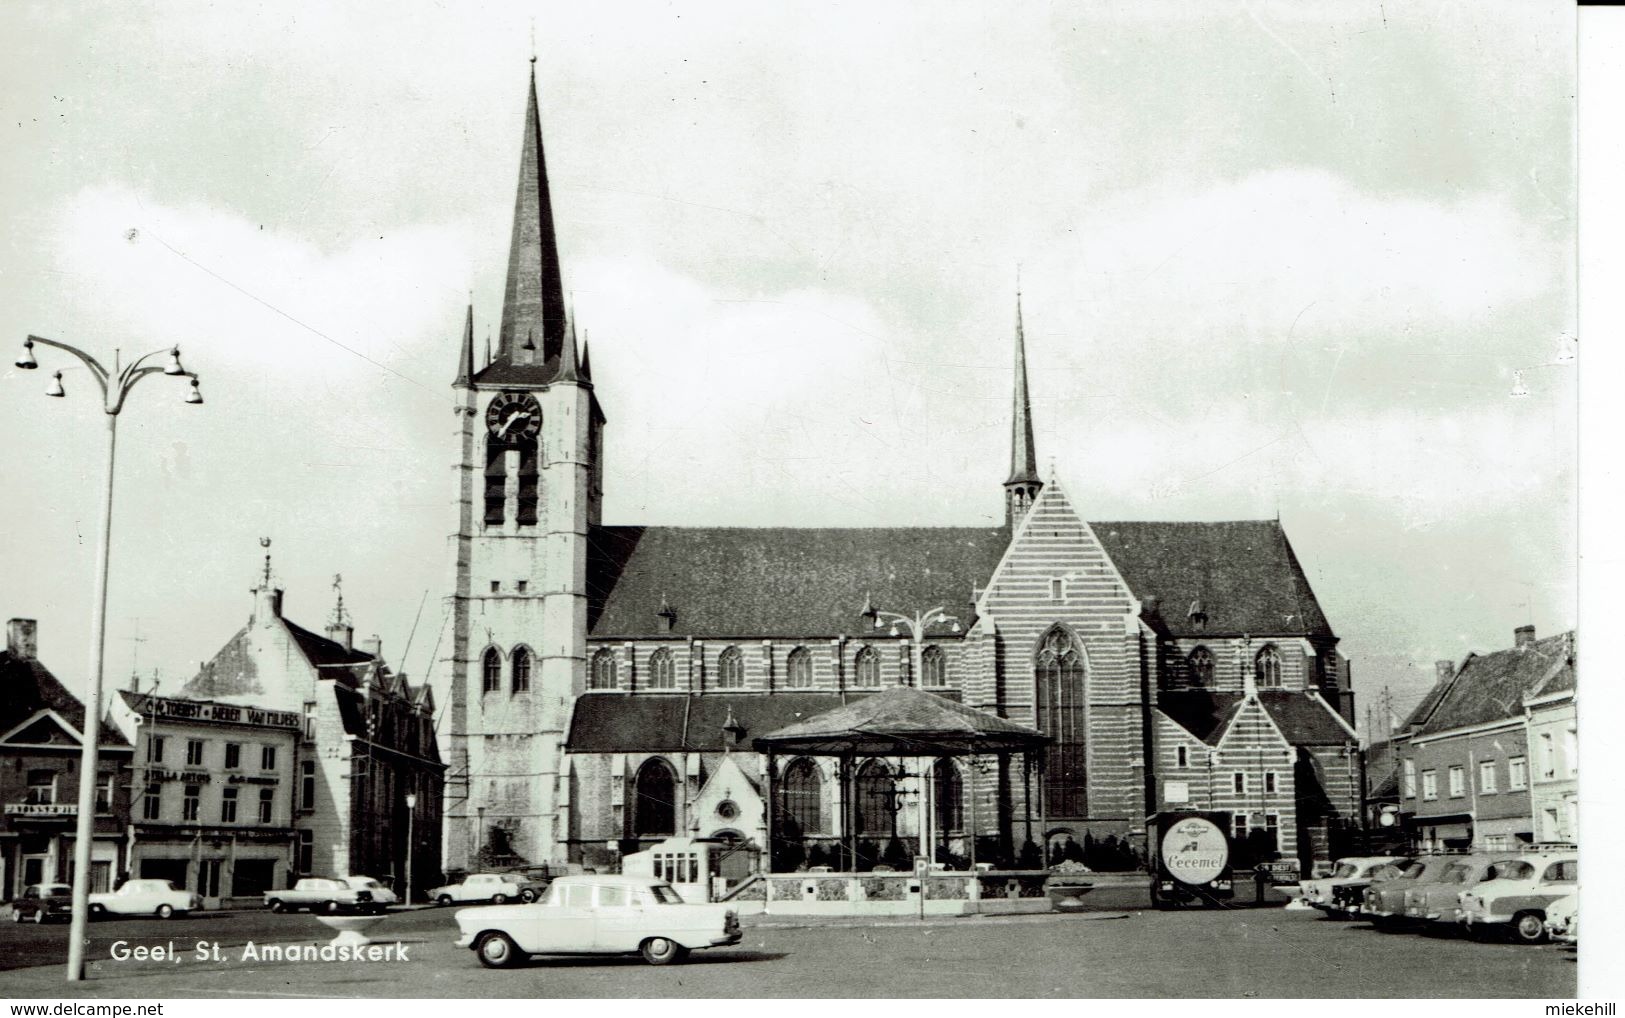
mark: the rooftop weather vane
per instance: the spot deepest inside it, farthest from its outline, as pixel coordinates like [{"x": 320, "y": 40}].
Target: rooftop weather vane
[
  {"x": 265, "y": 579},
  {"x": 340, "y": 616}
]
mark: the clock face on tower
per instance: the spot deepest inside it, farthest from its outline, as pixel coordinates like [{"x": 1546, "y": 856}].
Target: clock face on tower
[{"x": 513, "y": 417}]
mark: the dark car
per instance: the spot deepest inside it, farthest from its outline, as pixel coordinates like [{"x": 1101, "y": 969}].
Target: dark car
[
  {"x": 532, "y": 883},
  {"x": 40, "y": 902}
]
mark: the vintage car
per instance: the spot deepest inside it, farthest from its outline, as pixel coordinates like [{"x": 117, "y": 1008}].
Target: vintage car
[
  {"x": 1348, "y": 896},
  {"x": 598, "y": 914},
  {"x": 41, "y": 902},
  {"x": 1563, "y": 920},
  {"x": 1384, "y": 901},
  {"x": 496, "y": 888},
  {"x": 321, "y": 894},
  {"x": 381, "y": 895},
  {"x": 145, "y": 897},
  {"x": 1514, "y": 900},
  {"x": 532, "y": 883},
  {"x": 1318, "y": 892},
  {"x": 1438, "y": 901}
]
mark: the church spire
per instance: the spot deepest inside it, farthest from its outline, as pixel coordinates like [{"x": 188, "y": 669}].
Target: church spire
[
  {"x": 568, "y": 371},
  {"x": 1024, "y": 483},
  {"x": 533, "y": 302},
  {"x": 465, "y": 359}
]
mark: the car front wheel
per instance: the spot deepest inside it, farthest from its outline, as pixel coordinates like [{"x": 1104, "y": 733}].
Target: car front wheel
[
  {"x": 497, "y": 950},
  {"x": 660, "y": 951},
  {"x": 499, "y": 899},
  {"x": 527, "y": 896},
  {"x": 275, "y": 905},
  {"x": 1529, "y": 927},
  {"x": 39, "y": 917},
  {"x": 165, "y": 911},
  {"x": 444, "y": 899}
]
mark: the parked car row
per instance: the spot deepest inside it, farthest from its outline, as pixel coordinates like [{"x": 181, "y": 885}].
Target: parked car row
[
  {"x": 1529, "y": 894},
  {"x": 330, "y": 894},
  {"x": 496, "y": 888}
]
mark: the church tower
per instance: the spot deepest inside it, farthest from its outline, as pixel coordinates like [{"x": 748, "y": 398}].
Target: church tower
[
  {"x": 529, "y": 488},
  {"x": 1023, "y": 485}
]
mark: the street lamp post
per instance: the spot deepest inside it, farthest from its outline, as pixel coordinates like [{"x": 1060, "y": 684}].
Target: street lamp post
[
  {"x": 411, "y": 807},
  {"x": 115, "y": 386},
  {"x": 917, "y": 624}
]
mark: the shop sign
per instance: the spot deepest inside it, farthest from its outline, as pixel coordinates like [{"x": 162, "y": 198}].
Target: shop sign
[
  {"x": 249, "y": 779},
  {"x": 190, "y": 777},
  {"x": 196, "y": 710},
  {"x": 42, "y": 809}
]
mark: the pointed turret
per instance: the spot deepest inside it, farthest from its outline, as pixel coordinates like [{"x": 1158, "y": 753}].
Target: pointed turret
[
  {"x": 531, "y": 337},
  {"x": 568, "y": 371},
  {"x": 1024, "y": 483},
  {"x": 465, "y": 359},
  {"x": 586, "y": 360}
]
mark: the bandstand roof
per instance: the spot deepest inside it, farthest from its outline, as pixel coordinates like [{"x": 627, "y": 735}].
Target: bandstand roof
[{"x": 902, "y": 721}]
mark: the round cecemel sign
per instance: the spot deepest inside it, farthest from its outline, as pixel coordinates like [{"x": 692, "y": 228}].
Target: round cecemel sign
[{"x": 1195, "y": 851}]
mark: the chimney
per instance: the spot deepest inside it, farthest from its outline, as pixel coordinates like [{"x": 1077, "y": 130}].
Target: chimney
[
  {"x": 1444, "y": 671},
  {"x": 342, "y": 633},
  {"x": 267, "y": 604},
  {"x": 1523, "y": 636},
  {"x": 374, "y": 646},
  {"x": 22, "y": 639}
]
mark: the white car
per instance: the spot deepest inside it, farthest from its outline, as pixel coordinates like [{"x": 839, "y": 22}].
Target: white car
[
  {"x": 598, "y": 914},
  {"x": 381, "y": 895},
  {"x": 495, "y": 888},
  {"x": 145, "y": 897},
  {"x": 1515, "y": 901},
  {"x": 1318, "y": 892},
  {"x": 1563, "y": 920}
]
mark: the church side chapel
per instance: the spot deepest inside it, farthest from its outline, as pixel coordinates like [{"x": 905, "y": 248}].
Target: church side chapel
[{"x": 610, "y": 682}]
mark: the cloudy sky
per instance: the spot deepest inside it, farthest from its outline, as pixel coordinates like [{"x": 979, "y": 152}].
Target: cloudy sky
[{"x": 1277, "y": 258}]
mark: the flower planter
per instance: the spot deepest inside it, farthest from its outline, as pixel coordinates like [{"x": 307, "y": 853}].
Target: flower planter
[
  {"x": 352, "y": 929},
  {"x": 1067, "y": 897}
]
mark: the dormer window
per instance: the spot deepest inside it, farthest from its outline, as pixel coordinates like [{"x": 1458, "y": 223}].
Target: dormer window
[{"x": 1197, "y": 616}]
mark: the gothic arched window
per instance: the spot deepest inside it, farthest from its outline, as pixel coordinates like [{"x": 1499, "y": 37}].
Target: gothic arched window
[
  {"x": 603, "y": 671},
  {"x": 492, "y": 670},
  {"x": 798, "y": 669},
  {"x": 875, "y": 795},
  {"x": 1200, "y": 664},
  {"x": 1059, "y": 674},
  {"x": 730, "y": 669},
  {"x": 521, "y": 669},
  {"x": 803, "y": 798},
  {"x": 934, "y": 663},
  {"x": 949, "y": 793},
  {"x": 1267, "y": 667},
  {"x": 662, "y": 672},
  {"x": 654, "y": 807},
  {"x": 866, "y": 668}
]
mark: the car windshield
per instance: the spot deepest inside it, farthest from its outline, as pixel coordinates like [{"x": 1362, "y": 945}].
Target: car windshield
[
  {"x": 50, "y": 890},
  {"x": 665, "y": 894},
  {"x": 1455, "y": 873},
  {"x": 1346, "y": 869},
  {"x": 1414, "y": 870},
  {"x": 367, "y": 882},
  {"x": 1513, "y": 869}
]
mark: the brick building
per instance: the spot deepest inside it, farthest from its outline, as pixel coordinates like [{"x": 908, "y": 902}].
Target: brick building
[
  {"x": 365, "y": 742},
  {"x": 606, "y": 680},
  {"x": 1554, "y": 755},
  {"x": 1464, "y": 761},
  {"x": 41, "y": 732}
]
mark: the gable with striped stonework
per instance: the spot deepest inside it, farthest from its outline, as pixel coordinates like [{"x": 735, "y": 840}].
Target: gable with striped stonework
[{"x": 1055, "y": 577}]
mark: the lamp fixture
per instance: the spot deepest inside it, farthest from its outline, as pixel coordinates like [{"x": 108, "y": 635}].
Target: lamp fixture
[
  {"x": 55, "y": 388},
  {"x": 27, "y": 361},
  {"x": 194, "y": 396},
  {"x": 174, "y": 365}
]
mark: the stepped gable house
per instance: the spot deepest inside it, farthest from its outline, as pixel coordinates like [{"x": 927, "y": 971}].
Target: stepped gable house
[{"x": 606, "y": 680}]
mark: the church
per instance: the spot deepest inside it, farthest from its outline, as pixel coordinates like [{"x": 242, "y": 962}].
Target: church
[{"x": 606, "y": 680}]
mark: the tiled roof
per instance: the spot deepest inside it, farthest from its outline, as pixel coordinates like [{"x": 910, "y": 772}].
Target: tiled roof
[
  {"x": 324, "y": 652},
  {"x": 1491, "y": 687},
  {"x": 795, "y": 582},
  {"x": 1303, "y": 719},
  {"x": 661, "y": 722},
  {"x": 504, "y": 372},
  {"x": 901, "y": 719},
  {"x": 780, "y": 581},
  {"x": 28, "y": 687},
  {"x": 1243, "y": 572}
]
